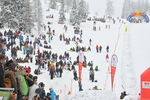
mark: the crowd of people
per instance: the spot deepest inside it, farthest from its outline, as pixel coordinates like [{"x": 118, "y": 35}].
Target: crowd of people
[
  {"x": 13, "y": 75},
  {"x": 29, "y": 46}
]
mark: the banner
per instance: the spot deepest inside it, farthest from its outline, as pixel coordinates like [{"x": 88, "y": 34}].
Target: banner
[
  {"x": 80, "y": 70},
  {"x": 145, "y": 85},
  {"x": 114, "y": 61}
]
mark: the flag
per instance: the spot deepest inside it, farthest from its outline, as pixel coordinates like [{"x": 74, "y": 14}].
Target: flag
[
  {"x": 114, "y": 61},
  {"x": 80, "y": 70}
]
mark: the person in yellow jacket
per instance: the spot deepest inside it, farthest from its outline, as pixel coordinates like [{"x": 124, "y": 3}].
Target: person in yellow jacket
[
  {"x": 52, "y": 64},
  {"x": 126, "y": 29}
]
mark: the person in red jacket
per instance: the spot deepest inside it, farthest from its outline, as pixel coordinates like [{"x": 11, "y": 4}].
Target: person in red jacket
[{"x": 97, "y": 48}]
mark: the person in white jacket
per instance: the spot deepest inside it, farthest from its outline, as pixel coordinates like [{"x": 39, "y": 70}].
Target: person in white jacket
[{"x": 33, "y": 88}]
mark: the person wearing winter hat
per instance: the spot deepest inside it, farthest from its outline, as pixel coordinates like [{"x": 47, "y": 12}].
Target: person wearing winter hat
[
  {"x": 40, "y": 91},
  {"x": 52, "y": 93}
]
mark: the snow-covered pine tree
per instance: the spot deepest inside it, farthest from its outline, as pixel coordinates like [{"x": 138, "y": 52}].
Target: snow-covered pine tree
[
  {"x": 16, "y": 14},
  {"x": 82, "y": 11},
  {"x": 74, "y": 18},
  {"x": 8, "y": 17},
  {"x": 126, "y": 11},
  {"x": 110, "y": 8},
  {"x": 35, "y": 10},
  {"x": 26, "y": 23},
  {"x": 62, "y": 17},
  {"x": 68, "y": 4},
  {"x": 39, "y": 15},
  {"x": 52, "y": 4}
]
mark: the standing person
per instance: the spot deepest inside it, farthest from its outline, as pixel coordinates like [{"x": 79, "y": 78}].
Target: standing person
[
  {"x": 92, "y": 75},
  {"x": 107, "y": 57},
  {"x": 2, "y": 73},
  {"x": 33, "y": 88},
  {"x": 75, "y": 75},
  {"x": 40, "y": 91},
  {"x": 52, "y": 93},
  {"x": 52, "y": 71},
  {"x": 100, "y": 48},
  {"x": 57, "y": 71},
  {"x": 97, "y": 48},
  {"x": 60, "y": 71},
  {"x": 99, "y": 28},
  {"x": 107, "y": 48},
  {"x": 80, "y": 85},
  {"x": 90, "y": 41}
]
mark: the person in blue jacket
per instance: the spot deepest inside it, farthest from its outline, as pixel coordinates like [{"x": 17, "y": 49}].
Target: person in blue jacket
[{"x": 52, "y": 93}]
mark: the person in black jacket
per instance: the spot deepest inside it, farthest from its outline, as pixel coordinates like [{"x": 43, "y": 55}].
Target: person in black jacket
[
  {"x": 40, "y": 91},
  {"x": 123, "y": 94},
  {"x": 2, "y": 75},
  {"x": 60, "y": 71}
]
